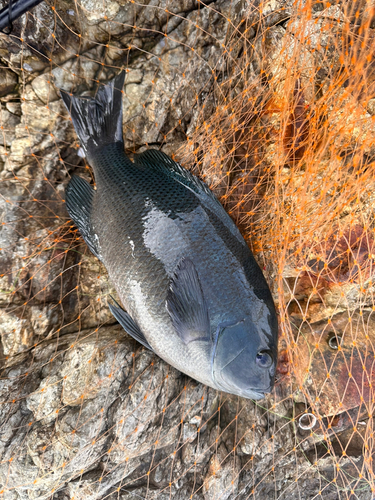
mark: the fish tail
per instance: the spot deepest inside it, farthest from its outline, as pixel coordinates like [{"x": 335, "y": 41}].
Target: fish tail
[{"x": 98, "y": 120}]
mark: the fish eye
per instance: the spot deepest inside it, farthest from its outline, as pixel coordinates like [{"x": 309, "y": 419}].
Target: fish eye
[
  {"x": 334, "y": 341},
  {"x": 264, "y": 359}
]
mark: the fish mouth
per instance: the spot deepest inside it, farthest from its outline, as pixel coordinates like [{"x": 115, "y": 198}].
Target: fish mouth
[
  {"x": 248, "y": 393},
  {"x": 230, "y": 360},
  {"x": 244, "y": 392}
]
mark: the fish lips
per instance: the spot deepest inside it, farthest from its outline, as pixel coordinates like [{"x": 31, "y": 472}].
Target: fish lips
[{"x": 235, "y": 367}]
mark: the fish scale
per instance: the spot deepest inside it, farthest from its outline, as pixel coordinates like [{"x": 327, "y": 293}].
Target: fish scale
[{"x": 191, "y": 288}]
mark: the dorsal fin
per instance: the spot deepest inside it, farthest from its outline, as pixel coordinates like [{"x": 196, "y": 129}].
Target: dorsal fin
[{"x": 157, "y": 160}]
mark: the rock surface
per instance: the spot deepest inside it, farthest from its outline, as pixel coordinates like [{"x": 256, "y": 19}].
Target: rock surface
[{"x": 85, "y": 411}]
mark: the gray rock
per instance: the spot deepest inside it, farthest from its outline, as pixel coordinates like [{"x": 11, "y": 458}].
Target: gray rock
[
  {"x": 44, "y": 88},
  {"x": 8, "y": 82},
  {"x": 222, "y": 477},
  {"x": 85, "y": 411}
]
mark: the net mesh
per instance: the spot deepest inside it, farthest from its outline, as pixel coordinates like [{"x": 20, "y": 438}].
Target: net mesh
[{"x": 272, "y": 104}]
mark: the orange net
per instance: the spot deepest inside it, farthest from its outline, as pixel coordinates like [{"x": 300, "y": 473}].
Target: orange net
[{"x": 272, "y": 104}]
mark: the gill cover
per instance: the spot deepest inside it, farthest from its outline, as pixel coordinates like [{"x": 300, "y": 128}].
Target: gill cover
[{"x": 244, "y": 360}]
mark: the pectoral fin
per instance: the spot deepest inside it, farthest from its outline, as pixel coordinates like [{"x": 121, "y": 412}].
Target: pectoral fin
[
  {"x": 186, "y": 304},
  {"x": 128, "y": 324}
]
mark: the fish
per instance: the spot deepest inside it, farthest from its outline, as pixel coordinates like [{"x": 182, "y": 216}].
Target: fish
[{"x": 190, "y": 287}]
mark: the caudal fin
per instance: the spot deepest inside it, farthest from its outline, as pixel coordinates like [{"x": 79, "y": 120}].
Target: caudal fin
[{"x": 97, "y": 121}]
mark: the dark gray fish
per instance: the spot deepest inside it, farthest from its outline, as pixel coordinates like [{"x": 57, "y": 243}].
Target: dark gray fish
[{"x": 192, "y": 290}]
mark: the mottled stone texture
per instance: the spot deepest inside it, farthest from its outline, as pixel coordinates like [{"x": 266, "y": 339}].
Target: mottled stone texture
[{"x": 85, "y": 411}]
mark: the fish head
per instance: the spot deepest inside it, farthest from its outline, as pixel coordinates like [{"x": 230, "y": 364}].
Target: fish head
[{"x": 244, "y": 359}]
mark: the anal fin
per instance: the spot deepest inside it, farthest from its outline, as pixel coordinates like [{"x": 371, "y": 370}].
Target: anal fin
[
  {"x": 128, "y": 324},
  {"x": 79, "y": 199}
]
